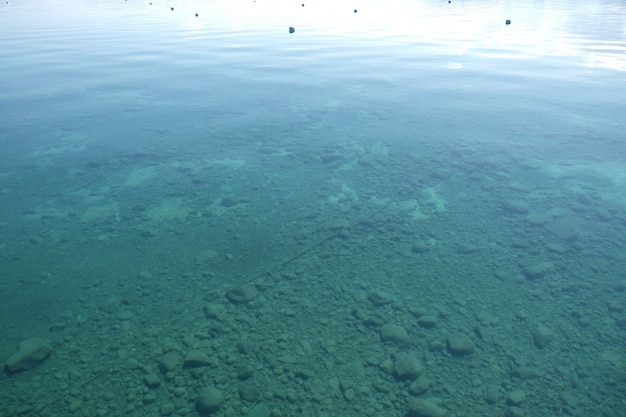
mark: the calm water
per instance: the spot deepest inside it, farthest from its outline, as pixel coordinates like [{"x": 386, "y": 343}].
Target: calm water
[{"x": 210, "y": 201}]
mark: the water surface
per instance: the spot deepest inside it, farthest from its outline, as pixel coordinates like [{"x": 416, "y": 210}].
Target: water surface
[{"x": 212, "y": 201}]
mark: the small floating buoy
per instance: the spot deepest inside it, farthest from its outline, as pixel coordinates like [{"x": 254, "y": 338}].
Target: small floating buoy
[
  {"x": 508, "y": 21},
  {"x": 291, "y": 30}
]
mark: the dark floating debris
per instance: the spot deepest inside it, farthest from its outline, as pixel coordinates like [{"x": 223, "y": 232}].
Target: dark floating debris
[
  {"x": 508, "y": 21},
  {"x": 355, "y": 10},
  {"x": 302, "y": 4},
  {"x": 171, "y": 8},
  {"x": 196, "y": 14},
  {"x": 291, "y": 29}
]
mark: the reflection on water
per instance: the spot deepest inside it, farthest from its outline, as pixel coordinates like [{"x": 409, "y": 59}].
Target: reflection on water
[{"x": 401, "y": 208}]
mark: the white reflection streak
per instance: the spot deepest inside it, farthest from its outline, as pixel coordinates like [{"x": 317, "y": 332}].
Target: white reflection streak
[{"x": 456, "y": 28}]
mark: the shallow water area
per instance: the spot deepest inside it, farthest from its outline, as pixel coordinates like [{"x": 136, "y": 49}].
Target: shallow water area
[{"x": 397, "y": 208}]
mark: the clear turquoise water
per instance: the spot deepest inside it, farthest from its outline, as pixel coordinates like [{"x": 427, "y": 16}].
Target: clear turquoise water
[{"x": 152, "y": 160}]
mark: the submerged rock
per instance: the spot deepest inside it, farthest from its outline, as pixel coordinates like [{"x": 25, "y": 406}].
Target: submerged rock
[
  {"x": 209, "y": 400},
  {"x": 419, "y": 407},
  {"x": 197, "y": 358},
  {"x": 30, "y": 353},
  {"x": 242, "y": 294},
  {"x": 407, "y": 366},
  {"x": 515, "y": 206},
  {"x": 380, "y": 297},
  {"x": 460, "y": 344},
  {"x": 394, "y": 333},
  {"x": 542, "y": 336},
  {"x": 537, "y": 271}
]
